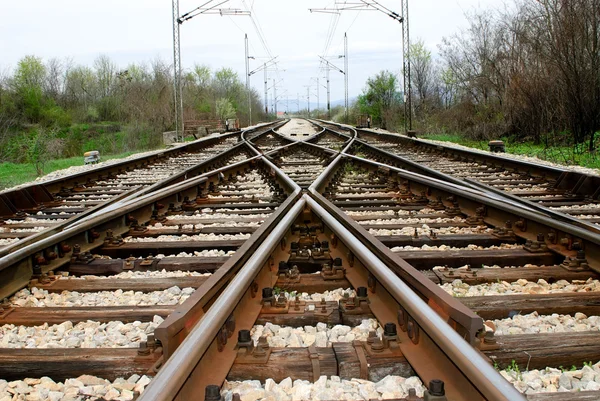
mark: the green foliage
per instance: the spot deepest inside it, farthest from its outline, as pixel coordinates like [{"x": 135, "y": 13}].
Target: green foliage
[
  {"x": 224, "y": 109},
  {"x": 380, "y": 98},
  {"x": 56, "y": 116},
  {"x": 18, "y": 173},
  {"x": 554, "y": 151},
  {"x": 514, "y": 367}
]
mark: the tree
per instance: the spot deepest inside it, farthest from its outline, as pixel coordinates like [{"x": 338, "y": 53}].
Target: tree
[
  {"x": 28, "y": 82},
  {"x": 422, "y": 71},
  {"x": 224, "y": 109},
  {"x": 380, "y": 98}
]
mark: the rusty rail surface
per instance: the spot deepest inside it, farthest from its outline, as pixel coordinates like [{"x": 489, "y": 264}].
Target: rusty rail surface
[
  {"x": 41, "y": 192},
  {"x": 575, "y": 183}
]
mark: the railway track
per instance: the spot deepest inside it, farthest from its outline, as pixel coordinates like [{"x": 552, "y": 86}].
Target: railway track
[
  {"x": 302, "y": 271},
  {"x": 565, "y": 194},
  {"x": 31, "y": 212}
]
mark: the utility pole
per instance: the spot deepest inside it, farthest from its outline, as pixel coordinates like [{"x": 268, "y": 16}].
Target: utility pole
[
  {"x": 403, "y": 19},
  {"x": 308, "y": 99},
  {"x": 177, "y": 70},
  {"x": 328, "y": 95},
  {"x": 264, "y": 67},
  {"x": 266, "y": 101},
  {"x": 318, "y": 102},
  {"x": 330, "y": 66},
  {"x": 346, "y": 77},
  {"x": 206, "y": 8},
  {"x": 248, "y": 82},
  {"x": 275, "y": 98},
  {"x": 406, "y": 69}
]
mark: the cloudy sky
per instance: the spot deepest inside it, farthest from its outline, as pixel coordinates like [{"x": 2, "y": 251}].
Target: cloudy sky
[{"x": 141, "y": 30}]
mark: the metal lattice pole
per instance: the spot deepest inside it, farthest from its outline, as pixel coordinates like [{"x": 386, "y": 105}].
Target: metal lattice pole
[
  {"x": 346, "y": 78},
  {"x": 248, "y": 82},
  {"x": 177, "y": 92},
  {"x": 328, "y": 95},
  {"x": 406, "y": 68}
]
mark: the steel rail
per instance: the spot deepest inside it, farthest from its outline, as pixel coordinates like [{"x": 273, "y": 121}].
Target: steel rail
[
  {"x": 173, "y": 374},
  {"x": 470, "y": 362},
  {"x": 494, "y": 192},
  {"x": 535, "y": 206},
  {"x": 21, "y": 262},
  {"x": 497, "y": 201},
  {"x": 474, "y": 152},
  {"x": 131, "y": 194},
  {"x": 332, "y": 166},
  {"x": 100, "y": 169}
]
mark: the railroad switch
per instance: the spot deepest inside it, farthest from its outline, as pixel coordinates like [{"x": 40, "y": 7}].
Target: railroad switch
[
  {"x": 478, "y": 219},
  {"x": 488, "y": 342},
  {"x": 288, "y": 275},
  {"x": 135, "y": 228},
  {"x": 64, "y": 192},
  {"x": 173, "y": 210},
  {"x": 448, "y": 274},
  {"x": 188, "y": 205},
  {"x": 454, "y": 210}
]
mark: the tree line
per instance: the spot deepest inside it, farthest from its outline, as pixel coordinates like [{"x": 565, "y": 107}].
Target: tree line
[
  {"x": 49, "y": 106},
  {"x": 527, "y": 71}
]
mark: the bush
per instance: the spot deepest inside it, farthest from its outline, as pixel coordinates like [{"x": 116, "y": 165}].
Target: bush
[{"x": 55, "y": 116}]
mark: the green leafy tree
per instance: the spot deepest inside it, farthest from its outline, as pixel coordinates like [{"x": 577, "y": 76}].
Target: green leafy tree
[
  {"x": 224, "y": 109},
  {"x": 28, "y": 81},
  {"x": 380, "y": 98}
]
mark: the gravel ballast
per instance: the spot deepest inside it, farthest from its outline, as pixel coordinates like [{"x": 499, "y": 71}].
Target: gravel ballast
[
  {"x": 42, "y": 298},
  {"x": 459, "y": 289},
  {"x": 84, "y": 387},
  {"x": 332, "y": 388},
  {"x": 88, "y": 334}
]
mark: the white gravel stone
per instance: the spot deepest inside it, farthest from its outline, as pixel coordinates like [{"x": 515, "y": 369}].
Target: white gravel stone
[
  {"x": 426, "y": 230},
  {"x": 7, "y": 241},
  {"x": 555, "y": 323},
  {"x": 459, "y": 289},
  {"x": 209, "y": 253},
  {"x": 320, "y": 336},
  {"x": 332, "y": 388},
  {"x": 552, "y": 380},
  {"x": 141, "y": 274},
  {"x": 509, "y": 156},
  {"x": 84, "y": 387},
  {"x": 88, "y": 334},
  {"x": 42, "y": 298},
  {"x": 184, "y": 237},
  {"x": 470, "y": 247},
  {"x": 333, "y": 295}
]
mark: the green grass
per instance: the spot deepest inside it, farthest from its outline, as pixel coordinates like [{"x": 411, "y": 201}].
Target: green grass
[
  {"x": 566, "y": 155},
  {"x": 12, "y": 174}
]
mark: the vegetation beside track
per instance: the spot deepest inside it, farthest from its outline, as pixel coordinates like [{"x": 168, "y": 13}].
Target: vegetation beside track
[
  {"x": 556, "y": 153},
  {"x": 12, "y": 174}
]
